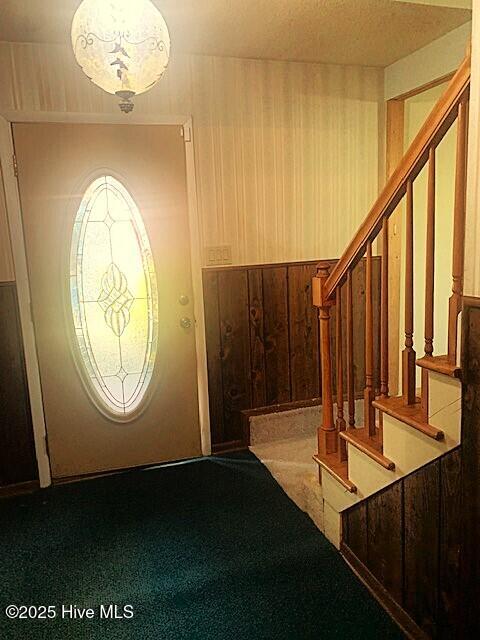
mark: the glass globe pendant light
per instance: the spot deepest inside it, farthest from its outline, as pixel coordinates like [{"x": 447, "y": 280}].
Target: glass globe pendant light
[{"x": 123, "y": 46}]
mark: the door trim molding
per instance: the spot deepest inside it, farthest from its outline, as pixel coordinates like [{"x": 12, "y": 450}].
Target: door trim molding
[
  {"x": 197, "y": 284},
  {"x": 14, "y": 217},
  {"x": 18, "y": 247}
]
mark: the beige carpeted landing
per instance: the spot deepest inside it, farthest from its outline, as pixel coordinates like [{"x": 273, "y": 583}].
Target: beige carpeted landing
[
  {"x": 285, "y": 443},
  {"x": 290, "y": 463}
]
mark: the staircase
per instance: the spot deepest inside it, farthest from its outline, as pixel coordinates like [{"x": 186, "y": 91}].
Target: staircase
[{"x": 397, "y": 434}]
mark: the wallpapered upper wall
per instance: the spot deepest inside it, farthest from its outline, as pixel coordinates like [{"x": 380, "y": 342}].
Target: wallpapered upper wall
[{"x": 287, "y": 154}]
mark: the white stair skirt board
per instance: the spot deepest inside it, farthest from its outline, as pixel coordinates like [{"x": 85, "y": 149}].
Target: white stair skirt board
[{"x": 296, "y": 423}]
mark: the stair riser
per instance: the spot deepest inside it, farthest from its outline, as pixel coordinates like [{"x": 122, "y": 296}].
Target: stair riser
[
  {"x": 367, "y": 475},
  {"x": 335, "y": 494},
  {"x": 332, "y": 524},
  {"x": 313, "y": 501},
  {"x": 409, "y": 448},
  {"x": 445, "y": 406}
]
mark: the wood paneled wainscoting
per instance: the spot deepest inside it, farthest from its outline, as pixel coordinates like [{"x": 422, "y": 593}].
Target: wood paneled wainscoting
[
  {"x": 262, "y": 339},
  {"x": 18, "y": 465}
]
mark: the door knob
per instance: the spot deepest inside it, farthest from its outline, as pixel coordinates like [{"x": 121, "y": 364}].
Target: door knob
[
  {"x": 183, "y": 300},
  {"x": 185, "y": 323}
]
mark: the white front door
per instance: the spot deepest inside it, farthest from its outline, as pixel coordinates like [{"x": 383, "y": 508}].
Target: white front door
[{"x": 106, "y": 230}]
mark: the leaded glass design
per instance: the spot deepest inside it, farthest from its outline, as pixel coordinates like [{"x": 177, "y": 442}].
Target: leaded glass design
[{"x": 114, "y": 296}]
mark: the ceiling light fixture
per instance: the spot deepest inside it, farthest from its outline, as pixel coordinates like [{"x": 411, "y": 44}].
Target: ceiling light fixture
[{"x": 123, "y": 46}]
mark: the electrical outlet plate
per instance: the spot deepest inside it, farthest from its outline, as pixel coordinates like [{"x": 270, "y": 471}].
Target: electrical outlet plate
[{"x": 215, "y": 256}]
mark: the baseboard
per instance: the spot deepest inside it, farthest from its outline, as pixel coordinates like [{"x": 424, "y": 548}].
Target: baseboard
[
  {"x": 395, "y": 611},
  {"x": 19, "y": 489},
  {"x": 275, "y": 408},
  {"x": 227, "y": 447}
]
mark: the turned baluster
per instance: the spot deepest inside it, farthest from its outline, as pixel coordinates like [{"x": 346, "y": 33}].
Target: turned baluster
[
  {"x": 350, "y": 367},
  {"x": 327, "y": 434},
  {"x": 408, "y": 355},
  {"x": 342, "y": 445},
  {"x": 384, "y": 313},
  {"x": 369, "y": 394},
  {"x": 429, "y": 275},
  {"x": 455, "y": 302},
  {"x": 383, "y": 322}
]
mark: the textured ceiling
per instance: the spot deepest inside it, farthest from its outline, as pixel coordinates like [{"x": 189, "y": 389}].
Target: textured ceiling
[
  {"x": 459, "y": 4},
  {"x": 366, "y": 32}
]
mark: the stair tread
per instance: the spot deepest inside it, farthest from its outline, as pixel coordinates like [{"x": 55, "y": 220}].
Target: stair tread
[
  {"x": 410, "y": 414},
  {"x": 339, "y": 470},
  {"x": 372, "y": 446},
  {"x": 440, "y": 364}
]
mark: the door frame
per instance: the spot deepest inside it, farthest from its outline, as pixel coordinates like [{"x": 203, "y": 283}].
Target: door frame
[{"x": 15, "y": 222}]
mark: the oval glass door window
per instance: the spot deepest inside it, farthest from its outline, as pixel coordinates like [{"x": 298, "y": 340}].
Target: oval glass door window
[{"x": 114, "y": 297}]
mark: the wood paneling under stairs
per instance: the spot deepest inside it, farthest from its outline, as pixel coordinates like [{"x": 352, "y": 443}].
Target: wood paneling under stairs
[
  {"x": 409, "y": 536},
  {"x": 17, "y": 453},
  {"x": 263, "y": 340},
  {"x": 416, "y": 543},
  {"x": 468, "y": 519}
]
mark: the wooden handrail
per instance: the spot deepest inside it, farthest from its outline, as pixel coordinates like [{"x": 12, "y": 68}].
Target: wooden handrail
[
  {"x": 437, "y": 124},
  {"x": 328, "y": 286}
]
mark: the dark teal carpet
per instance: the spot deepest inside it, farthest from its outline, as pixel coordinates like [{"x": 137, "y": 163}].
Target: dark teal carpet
[{"x": 209, "y": 549}]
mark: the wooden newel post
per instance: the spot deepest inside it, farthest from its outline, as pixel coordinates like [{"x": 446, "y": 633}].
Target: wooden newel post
[
  {"x": 455, "y": 302},
  {"x": 327, "y": 434}
]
